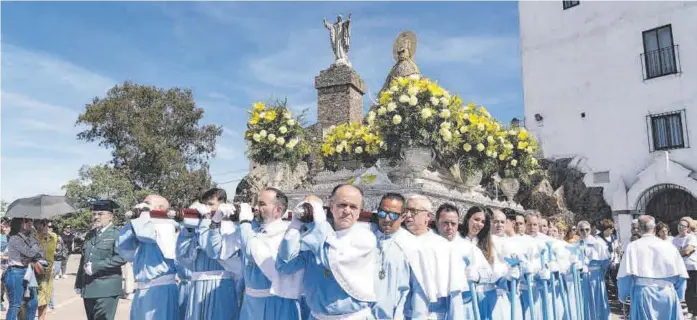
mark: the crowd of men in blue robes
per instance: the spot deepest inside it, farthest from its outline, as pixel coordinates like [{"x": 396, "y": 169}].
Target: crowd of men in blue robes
[{"x": 270, "y": 262}]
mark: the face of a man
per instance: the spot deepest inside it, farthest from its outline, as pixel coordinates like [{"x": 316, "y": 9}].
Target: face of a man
[
  {"x": 584, "y": 230},
  {"x": 447, "y": 224},
  {"x": 346, "y": 207},
  {"x": 267, "y": 207},
  {"x": 498, "y": 223},
  {"x": 387, "y": 225},
  {"x": 532, "y": 225},
  {"x": 417, "y": 216},
  {"x": 519, "y": 225},
  {"x": 635, "y": 228},
  {"x": 101, "y": 219},
  {"x": 544, "y": 226},
  {"x": 683, "y": 228},
  {"x": 212, "y": 204}
]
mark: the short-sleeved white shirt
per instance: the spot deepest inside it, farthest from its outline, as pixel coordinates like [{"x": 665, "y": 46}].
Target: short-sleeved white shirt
[{"x": 681, "y": 243}]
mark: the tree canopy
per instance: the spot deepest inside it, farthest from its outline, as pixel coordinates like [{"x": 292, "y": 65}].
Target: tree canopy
[{"x": 155, "y": 139}]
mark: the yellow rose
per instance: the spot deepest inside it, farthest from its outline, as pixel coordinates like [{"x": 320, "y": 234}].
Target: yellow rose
[{"x": 258, "y": 106}]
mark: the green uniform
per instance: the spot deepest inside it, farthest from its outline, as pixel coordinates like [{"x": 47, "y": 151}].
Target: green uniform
[{"x": 102, "y": 289}]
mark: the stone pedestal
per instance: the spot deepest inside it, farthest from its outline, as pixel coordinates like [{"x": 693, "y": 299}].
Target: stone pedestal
[{"x": 339, "y": 97}]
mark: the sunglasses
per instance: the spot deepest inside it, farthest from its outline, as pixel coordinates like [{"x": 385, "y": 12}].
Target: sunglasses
[{"x": 382, "y": 214}]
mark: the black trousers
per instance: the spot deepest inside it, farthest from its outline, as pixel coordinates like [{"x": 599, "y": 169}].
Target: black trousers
[
  {"x": 691, "y": 292},
  {"x": 101, "y": 308}
]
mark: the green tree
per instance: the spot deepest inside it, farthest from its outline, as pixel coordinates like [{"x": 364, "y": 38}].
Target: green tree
[
  {"x": 3, "y": 208},
  {"x": 100, "y": 182},
  {"x": 154, "y": 138}
]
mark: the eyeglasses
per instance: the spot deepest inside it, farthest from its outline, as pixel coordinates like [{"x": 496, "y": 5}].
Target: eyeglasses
[
  {"x": 680, "y": 226},
  {"x": 415, "y": 211},
  {"x": 382, "y": 214}
]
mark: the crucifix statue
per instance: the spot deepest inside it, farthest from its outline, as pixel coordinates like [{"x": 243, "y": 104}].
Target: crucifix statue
[{"x": 340, "y": 37}]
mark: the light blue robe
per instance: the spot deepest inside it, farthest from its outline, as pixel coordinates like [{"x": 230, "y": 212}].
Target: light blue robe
[
  {"x": 392, "y": 291},
  {"x": 322, "y": 292},
  {"x": 137, "y": 244},
  {"x": 596, "y": 304},
  {"x": 208, "y": 299},
  {"x": 184, "y": 275},
  {"x": 653, "y": 302},
  {"x": 268, "y": 308},
  {"x": 653, "y": 275}
]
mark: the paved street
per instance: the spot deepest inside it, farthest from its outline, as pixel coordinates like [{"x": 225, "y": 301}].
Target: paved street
[{"x": 68, "y": 304}]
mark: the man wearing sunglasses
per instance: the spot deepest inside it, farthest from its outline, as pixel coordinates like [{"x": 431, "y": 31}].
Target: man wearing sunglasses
[
  {"x": 597, "y": 259},
  {"x": 393, "y": 272}
]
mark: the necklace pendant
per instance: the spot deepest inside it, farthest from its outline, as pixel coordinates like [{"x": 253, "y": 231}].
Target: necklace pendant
[{"x": 381, "y": 274}]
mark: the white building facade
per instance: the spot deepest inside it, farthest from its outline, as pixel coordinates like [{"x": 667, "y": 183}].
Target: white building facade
[{"x": 613, "y": 85}]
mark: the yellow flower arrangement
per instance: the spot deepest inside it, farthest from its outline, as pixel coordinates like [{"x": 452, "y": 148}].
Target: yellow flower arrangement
[
  {"x": 517, "y": 156},
  {"x": 273, "y": 135},
  {"x": 351, "y": 141},
  {"x": 416, "y": 112},
  {"x": 479, "y": 140}
]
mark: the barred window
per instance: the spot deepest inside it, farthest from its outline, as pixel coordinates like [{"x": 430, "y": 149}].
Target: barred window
[
  {"x": 659, "y": 55},
  {"x": 667, "y": 131},
  {"x": 570, "y": 4}
]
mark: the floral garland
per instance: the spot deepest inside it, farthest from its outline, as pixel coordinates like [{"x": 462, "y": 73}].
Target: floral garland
[
  {"x": 351, "y": 141},
  {"x": 273, "y": 135}
]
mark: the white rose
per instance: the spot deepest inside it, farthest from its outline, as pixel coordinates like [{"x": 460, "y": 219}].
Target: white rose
[
  {"x": 413, "y": 101},
  {"x": 415, "y": 77},
  {"x": 404, "y": 98},
  {"x": 281, "y": 141},
  {"x": 444, "y": 101},
  {"x": 467, "y": 147},
  {"x": 397, "y": 119},
  {"x": 382, "y": 110},
  {"x": 463, "y": 129},
  {"x": 286, "y": 115},
  {"x": 426, "y": 113},
  {"x": 490, "y": 139},
  {"x": 394, "y": 88},
  {"x": 445, "y": 113},
  {"x": 291, "y": 122},
  {"x": 262, "y": 133},
  {"x": 283, "y": 129},
  {"x": 359, "y": 150},
  {"x": 391, "y": 106},
  {"x": 256, "y": 137},
  {"x": 272, "y": 137},
  {"x": 480, "y": 147},
  {"x": 481, "y": 127},
  {"x": 514, "y": 162},
  {"x": 339, "y": 148},
  {"x": 434, "y": 101}
]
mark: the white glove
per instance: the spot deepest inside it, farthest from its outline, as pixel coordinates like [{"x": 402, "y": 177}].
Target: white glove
[
  {"x": 78, "y": 291},
  {"x": 514, "y": 273},
  {"x": 295, "y": 222},
  {"x": 202, "y": 209},
  {"x": 88, "y": 268},
  {"x": 318, "y": 212},
  {"x": 544, "y": 274},
  {"x": 224, "y": 210},
  {"x": 472, "y": 274},
  {"x": 246, "y": 212}
]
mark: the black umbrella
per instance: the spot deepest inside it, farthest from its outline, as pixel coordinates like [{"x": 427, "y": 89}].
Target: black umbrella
[{"x": 40, "y": 207}]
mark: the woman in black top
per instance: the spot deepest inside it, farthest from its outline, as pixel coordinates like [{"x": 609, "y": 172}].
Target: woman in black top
[{"x": 22, "y": 251}]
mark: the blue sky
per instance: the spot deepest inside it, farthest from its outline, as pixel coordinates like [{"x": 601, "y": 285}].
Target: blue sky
[{"x": 57, "y": 56}]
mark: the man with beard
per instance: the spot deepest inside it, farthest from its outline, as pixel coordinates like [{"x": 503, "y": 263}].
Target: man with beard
[
  {"x": 339, "y": 260},
  {"x": 98, "y": 278},
  {"x": 149, "y": 245},
  {"x": 439, "y": 280},
  {"x": 393, "y": 273},
  {"x": 268, "y": 294}
]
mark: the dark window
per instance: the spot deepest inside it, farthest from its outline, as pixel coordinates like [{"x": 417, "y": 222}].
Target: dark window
[
  {"x": 659, "y": 52},
  {"x": 667, "y": 131},
  {"x": 569, "y": 4}
]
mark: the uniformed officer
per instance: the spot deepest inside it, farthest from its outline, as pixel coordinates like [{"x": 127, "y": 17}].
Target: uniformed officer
[{"x": 99, "y": 274}]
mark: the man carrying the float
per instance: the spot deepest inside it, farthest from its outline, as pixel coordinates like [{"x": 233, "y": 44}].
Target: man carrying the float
[
  {"x": 392, "y": 285},
  {"x": 268, "y": 295},
  {"x": 532, "y": 288},
  {"x": 597, "y": 259},
  {"x": 439, "y": 278},
  {"x": 150, "y": 246},
  {"x": 653, "y": 274},
  {"x": 213, "y": 293},
  {"x": 339, "y": 261}
]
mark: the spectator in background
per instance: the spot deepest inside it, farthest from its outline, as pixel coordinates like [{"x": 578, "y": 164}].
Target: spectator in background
[
  {"x": 544, "y": 226},
  {"x": 553, "y": 231},
  {"x": 4, "y": 230},
  {"x": 686, "y": 242},
  {"x": 48, "y": 241},
  {"x": 663, "y": 231},
  {"x": 68, "y": 240},
  {"x": 571, "y": 236},
  {"x": 22, "y": 251},
  {"x": 607, "y": 234},
  {"x": 519, "y": 226},
  {"x": 562, "y": 229}
]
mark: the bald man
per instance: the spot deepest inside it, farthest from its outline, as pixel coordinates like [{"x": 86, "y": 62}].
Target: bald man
[{"x": 150, "y": 245}]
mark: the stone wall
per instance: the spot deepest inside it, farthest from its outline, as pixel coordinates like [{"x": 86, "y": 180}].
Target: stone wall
[{"x": 339, "y": 96}]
